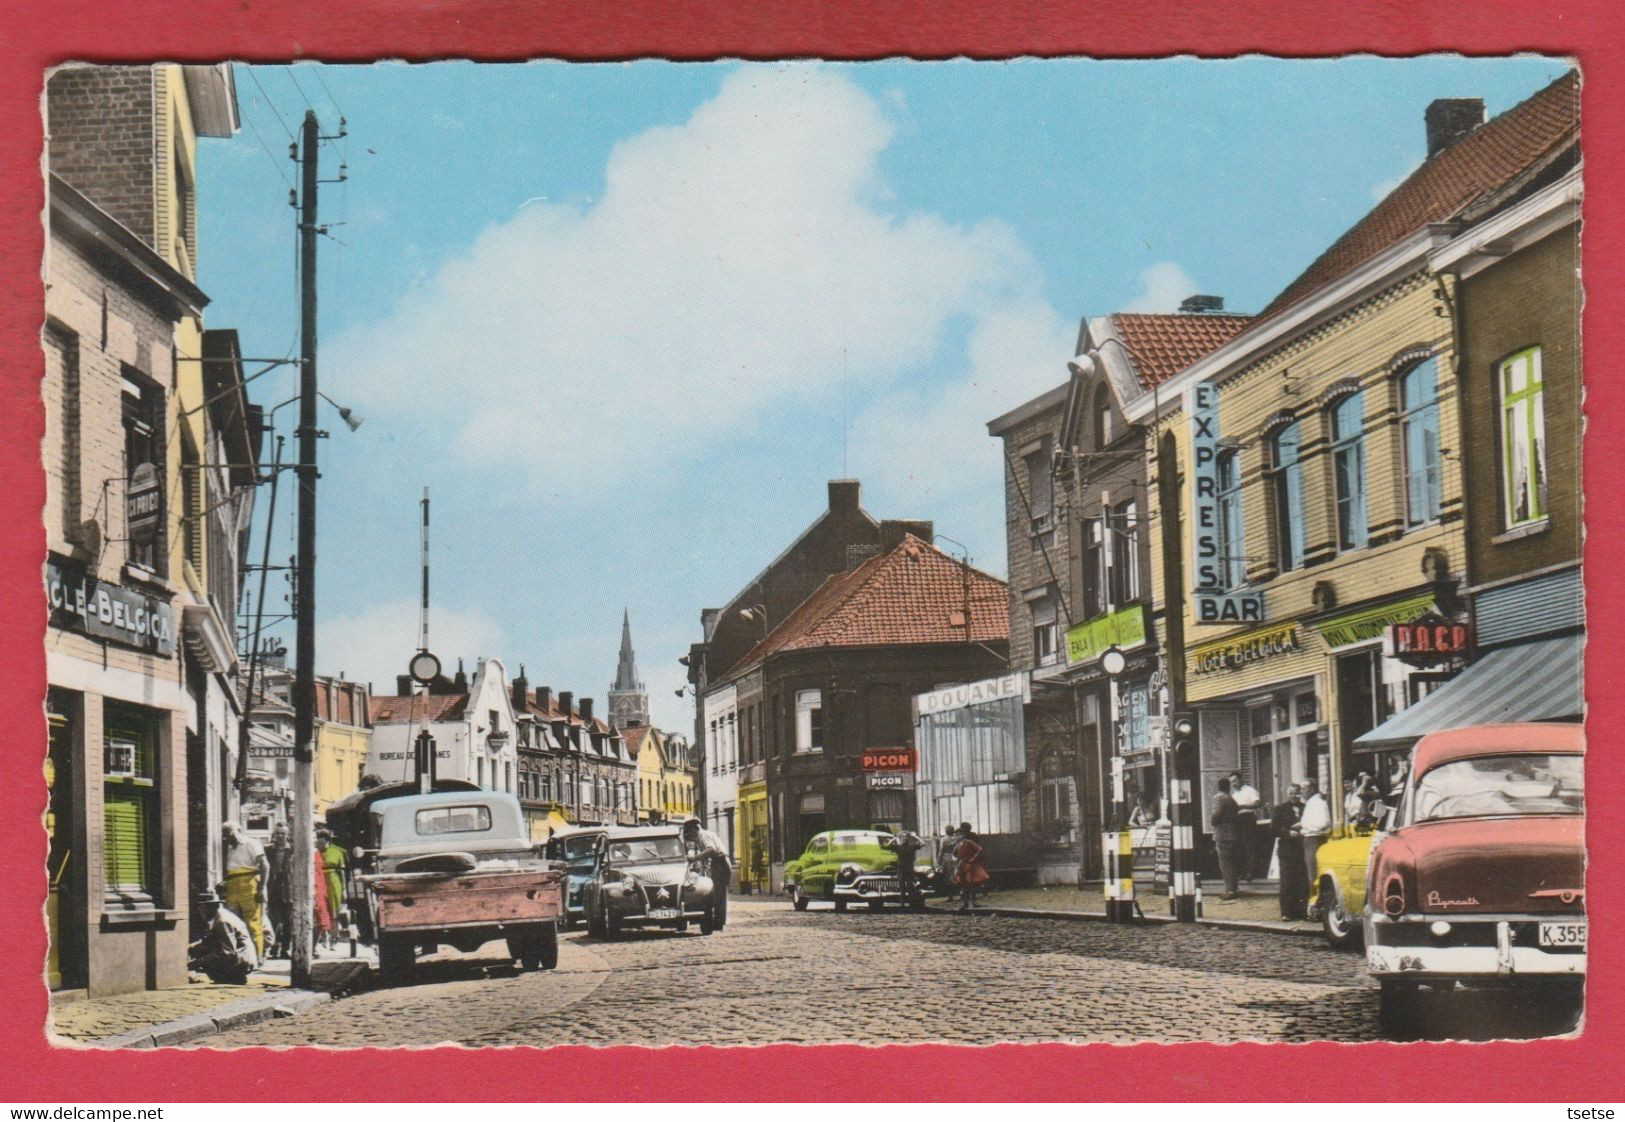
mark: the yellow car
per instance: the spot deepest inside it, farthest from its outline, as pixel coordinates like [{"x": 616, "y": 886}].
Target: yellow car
[{"x": 1339, "y": 891}]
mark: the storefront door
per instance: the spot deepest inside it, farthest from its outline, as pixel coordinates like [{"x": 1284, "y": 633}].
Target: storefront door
[
  {"x": 1284, "y": 748},
  {"x": 64, "y": 905}
]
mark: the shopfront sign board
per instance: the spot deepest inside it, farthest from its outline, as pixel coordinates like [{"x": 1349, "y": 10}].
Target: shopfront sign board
[
  {"x": 890, "y": 759},
  {"x": 1123, "y": 629},
  {"x": 79, "y": 602},
  {"x": 966, "y": 694}
]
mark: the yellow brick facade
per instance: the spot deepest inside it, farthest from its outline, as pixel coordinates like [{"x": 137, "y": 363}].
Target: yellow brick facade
[{"x": 1366, "y": 345}]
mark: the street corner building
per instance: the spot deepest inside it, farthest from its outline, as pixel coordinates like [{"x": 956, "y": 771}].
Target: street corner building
[
  {"x": 807, "y": 680},
  {"x": 150, "y": 457},
  {"x": 1323, "y": 530}
]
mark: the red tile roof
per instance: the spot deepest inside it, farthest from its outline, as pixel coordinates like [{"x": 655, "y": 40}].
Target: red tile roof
[
  {"x": 554, "y": 713},
  {"x": 913, "y": 594},
  {"x": 634, "y": 736},
  {"x": 1163, "y": 345},
  {"x": 424, "y": 707},
  {"x": 1478, "y": 166}
]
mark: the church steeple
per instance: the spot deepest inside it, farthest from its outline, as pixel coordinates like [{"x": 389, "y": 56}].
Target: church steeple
[{"x": 628, "y": 703}]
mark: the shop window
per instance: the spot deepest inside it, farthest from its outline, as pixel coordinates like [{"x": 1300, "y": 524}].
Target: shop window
[
  {"x": 1286, "y": 494},
  {"x": 1046, "y": 629},
  {"x": 1056, "y": 809},
  {"x": 144, "y": 444},
  {"x": 809, "y": 721},
  {"x": 62, "y": 366},
  {"x": 1348, "y": 469},
  {"x": 1232, "y": 539},
  {"x": 1041, "y": 488},
  {"x": 1523, "y": 437},
  {"x": 1125, "y": 546},
  {"x": 129, "y": 804},
  {"x": 1419, "y": 426}
]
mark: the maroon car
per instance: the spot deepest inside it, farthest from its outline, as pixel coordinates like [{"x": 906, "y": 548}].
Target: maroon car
[{"x": 1482, "y": 879}]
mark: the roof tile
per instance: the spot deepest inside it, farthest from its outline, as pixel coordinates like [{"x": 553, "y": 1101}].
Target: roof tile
[{"x": 1163, "y": 345}]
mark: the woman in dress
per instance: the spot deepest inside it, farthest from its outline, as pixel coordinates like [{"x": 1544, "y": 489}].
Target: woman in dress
[
  {"x": 323, "y": 919},
  {"x": 969, "y": 872}
]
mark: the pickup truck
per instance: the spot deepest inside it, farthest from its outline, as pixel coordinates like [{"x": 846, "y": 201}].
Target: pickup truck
[{"x": 454, "y": 866}]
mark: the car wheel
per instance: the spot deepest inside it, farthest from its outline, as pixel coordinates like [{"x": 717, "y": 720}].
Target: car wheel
[
  {"x": 1399, "y": 1010},
  {"x": 840, "y": 905},
  {"x": 570, "y": 921},
  {"x": 1342, "y": 930},
  {"x": 610, "y": 923},
  {"x": 594, "y": 927},
  {"x": 397, "y": 955},
  {"x": 797, "y": 900},
  {"x": 548, "y": 945}
]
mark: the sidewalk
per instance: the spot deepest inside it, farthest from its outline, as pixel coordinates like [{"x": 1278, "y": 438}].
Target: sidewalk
[
  {"x": 166, "y": 1017},
  {"x": 1257, "y": 907}
]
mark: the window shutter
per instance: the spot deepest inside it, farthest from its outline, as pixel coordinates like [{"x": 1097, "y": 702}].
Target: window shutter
[{"x": 124, "y": 845}]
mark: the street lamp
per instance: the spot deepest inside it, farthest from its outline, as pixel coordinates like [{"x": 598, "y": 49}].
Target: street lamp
[
  {"x": 1113, "y": 662},
  {"x": 1115, "y": 842}
]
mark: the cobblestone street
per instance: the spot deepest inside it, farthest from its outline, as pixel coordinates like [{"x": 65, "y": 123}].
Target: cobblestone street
[{"x": 779, "y": 976}]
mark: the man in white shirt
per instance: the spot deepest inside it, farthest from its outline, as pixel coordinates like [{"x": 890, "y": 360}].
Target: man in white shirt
[
  {"x": 1248, "y": 801},
  {"x": 247, "y": 871},
  {"x": 1314, "y": 824}
]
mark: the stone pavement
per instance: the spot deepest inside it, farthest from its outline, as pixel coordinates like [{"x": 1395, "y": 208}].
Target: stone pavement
[
  {"x": 780, "y": 976},
  {"x": 1258, "y": 903}
]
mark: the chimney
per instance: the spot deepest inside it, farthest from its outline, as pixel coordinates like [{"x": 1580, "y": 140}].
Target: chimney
[
  {"x": 1198, "y": 304},
  {"x": 565, "y": 698},
  {"x": 519, "y": 689},
  {"x": 893, "y": 529},
  {"x": 544, "y": 698},
  {"x": 843, "y": 495},
  {"x": 403, "y": 685},
  {"x": 586, "y": 710},
  {"x": 460, "y": 680},
  {"x": 1451, "y": 118}
]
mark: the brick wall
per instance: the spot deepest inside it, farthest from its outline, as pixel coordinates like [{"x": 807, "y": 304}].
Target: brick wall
[
  {"x": 100, "y": 139},
  {"x": 1531, "y": 298},
  {"x": 1034, "y": 561},
  {"x": 97, "y": 328}
]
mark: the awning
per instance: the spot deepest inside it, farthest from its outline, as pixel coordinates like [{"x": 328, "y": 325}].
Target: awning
[{"x": 1542, "y": 680}]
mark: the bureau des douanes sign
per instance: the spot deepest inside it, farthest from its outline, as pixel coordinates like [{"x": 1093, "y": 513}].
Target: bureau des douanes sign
[
  {"x": 80, "y": 602},
  {"x": 1214, "y": 604}
]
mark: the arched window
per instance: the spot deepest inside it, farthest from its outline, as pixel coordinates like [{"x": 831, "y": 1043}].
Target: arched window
[
  {"x": 1419, "y": 427},
  {"x": 1286, "y": 495},
  {"x": 1348, "y": 469}
]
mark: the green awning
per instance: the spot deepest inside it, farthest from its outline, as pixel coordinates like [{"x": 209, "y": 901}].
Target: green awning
[{"x": 1370, "y": 623}]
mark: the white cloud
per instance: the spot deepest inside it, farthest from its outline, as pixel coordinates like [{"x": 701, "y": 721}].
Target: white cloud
[
  {"x": 736, "y": 261},
  {"x": 1162, "y": 288},
  {"x": 374, "y": 644}
]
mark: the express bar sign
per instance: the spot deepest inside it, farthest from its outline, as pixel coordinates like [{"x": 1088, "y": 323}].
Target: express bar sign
[{"x": 890, "y": 759}]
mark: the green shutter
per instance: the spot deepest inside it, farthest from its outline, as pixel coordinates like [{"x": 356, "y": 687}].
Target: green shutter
[{"x": 124, "y": 844}]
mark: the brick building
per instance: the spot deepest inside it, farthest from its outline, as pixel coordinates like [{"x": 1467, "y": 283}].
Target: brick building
[
  {"x": 1079, "y": 559},
  {"x": 144, "y": 531},
  {"x": 837, "y": 677},
  {"x": 1328, "y": 506},
  {"x": 1513, "y": 267},
  {"x": 841, "y": 538}
]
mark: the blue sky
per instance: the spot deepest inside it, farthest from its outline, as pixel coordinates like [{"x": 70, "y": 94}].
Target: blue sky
[{"x": 625, "y": 320}]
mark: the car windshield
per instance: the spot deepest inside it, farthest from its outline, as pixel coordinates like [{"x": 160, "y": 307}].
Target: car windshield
[
  {"x": 632, "y": 851},
  {"x": 579, "y": 848},
  {"x": 848, "y": 841},
  {"x": 1501, "y": 785}
]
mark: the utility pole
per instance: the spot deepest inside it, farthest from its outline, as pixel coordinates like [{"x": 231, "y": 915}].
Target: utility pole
[
  {"x": 1182, "y": 764},
  {"x": 304, "y": 682}
]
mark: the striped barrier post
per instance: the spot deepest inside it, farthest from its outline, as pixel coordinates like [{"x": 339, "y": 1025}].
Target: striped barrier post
[{"x": 1125, "y": 877}]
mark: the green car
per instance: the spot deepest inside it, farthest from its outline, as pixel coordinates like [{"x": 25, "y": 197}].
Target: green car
[{"x": 845, "y": 866}]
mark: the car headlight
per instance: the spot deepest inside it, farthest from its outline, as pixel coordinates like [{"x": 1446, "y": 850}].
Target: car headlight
[
  {"x": 848, "y": 872},
  {"x": 701, "y": 885}
]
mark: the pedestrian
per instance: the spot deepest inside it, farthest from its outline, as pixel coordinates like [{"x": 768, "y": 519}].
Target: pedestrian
[
  {"x": 947, "y": 863},
  {"x": 279, "y": 893},
  {"x": 1248, "y": 803},
  {"x": 226, "y": 951},
  {"x": 1224, "y": 821},
  {"x": 969, "y": 872},
  {"x": 247, "y": 870},
  {"x": 321, "y": 918},
  {"x": 706, "y": 848},
  {"x": 333, "y": 862},
  {"x": 907, "y": 846},
  {"x": 1314, "y": 823},
  {"x": 1294, "y": 875}
]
